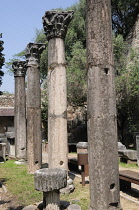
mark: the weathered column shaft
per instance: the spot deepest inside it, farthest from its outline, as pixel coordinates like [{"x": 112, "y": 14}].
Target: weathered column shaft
[
  {"x": 20, "y": 110},
  {"x": 34, "y": 144},
  {"x": 57, "y": 105},
  {"x": 55, "y": 25},
  {"x": 102, "y": 128},
  {"x": 51, "y": 200},
  {"x": 33, "y": 120}
]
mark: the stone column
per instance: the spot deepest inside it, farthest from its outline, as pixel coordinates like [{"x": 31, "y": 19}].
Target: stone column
[
  {"x": 20, "y": 110},
  {"x": 101, "y": 108},
  {"x": 34, "y": 144},
  {"x": 55, "y": 26}
]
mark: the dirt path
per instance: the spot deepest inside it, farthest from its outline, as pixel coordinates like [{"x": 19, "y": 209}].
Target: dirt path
[{"x": 8, "y": 202}]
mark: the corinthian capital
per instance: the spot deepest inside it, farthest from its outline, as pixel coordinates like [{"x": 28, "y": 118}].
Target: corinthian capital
[
  {"x": 55, "y": 23},
  {"x": 33, "y": 52},
  {"x": 19, "y": 68}
]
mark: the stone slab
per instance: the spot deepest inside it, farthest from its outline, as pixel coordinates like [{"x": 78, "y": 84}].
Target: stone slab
[
  {"x": 7, "y": 111},
  {"x": 82, "y": 145},
  {"x": 30, "y": 207},
  {"x": 74, "y": 207},
  {"x": 10, "y": 135},
  {"x": 128, "y": 154},
  {"x": 121, "y": 146}
]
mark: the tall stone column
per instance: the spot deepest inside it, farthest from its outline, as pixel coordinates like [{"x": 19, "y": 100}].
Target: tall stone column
[
  {"x": 34, "y": 144},
  {"x": 55, "y": 26},
  {"x": 20, "y": 110},
  {"x": 101, "y": 108}
]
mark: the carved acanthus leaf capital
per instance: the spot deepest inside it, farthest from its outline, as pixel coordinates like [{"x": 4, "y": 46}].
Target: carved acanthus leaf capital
[
  {"x": 19, "y": 68},
  {"x": 33, "y": 52},
  {"x": 55, "y": 23}
]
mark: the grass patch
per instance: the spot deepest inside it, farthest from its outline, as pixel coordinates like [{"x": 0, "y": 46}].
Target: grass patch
[
  {"x": 80, "y": 195},
  {"x": 125, "y": 165},
  {"x": 19, "y": 183}
]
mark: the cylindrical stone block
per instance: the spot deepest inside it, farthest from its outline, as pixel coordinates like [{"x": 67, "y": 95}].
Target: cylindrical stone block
[{"x": 50, "y": 181}]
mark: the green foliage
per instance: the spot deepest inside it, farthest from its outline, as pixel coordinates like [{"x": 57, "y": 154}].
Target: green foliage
[
  {"x": 76, "y": 75},
  {"x": 40, "y": 37},
  {"x": 76, "y": 29},
  {"x": 127, "y": 89},
  {"x": 124, "y": 15},
  {"x": 119, "y": 49}
]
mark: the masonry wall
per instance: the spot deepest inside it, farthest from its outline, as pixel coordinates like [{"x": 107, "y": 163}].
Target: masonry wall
[
  {"x": 7, "y": 101},
  {"x": 6, "y": 113}
]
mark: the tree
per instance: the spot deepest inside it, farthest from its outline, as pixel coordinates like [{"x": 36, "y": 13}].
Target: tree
[
  {"x": 127, "y": 89},
  {"x": 1, "y": 61},
  {"x": 124, "y": 15},
  {"x": 76, "y": 75}
]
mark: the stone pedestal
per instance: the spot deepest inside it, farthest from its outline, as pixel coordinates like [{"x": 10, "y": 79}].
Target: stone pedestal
[
  {"x": 20, "y": 110},
  {"x": 10, "y": 144},
  {"x": 55, "y": 26},
  {"x": 34, "y": 144},
  {"x": 82, "y": 156},
  {"x": 50, "y": 181},
  {"x": 3, "y": 151}
]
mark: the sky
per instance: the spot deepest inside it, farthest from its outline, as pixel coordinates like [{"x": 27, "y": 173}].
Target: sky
[{"x": 19, "y": 20}]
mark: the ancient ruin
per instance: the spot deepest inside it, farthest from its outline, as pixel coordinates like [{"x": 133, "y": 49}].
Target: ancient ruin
[
  {"x": 55, "y": 25},
  {"x": 50, "y": 181},
  {"x": 101, "y": 105},
  {"x": 34, "y": 152},
  {"x": 20, "y": 110}
]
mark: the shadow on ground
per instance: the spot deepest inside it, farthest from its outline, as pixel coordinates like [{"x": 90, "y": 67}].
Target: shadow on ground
[
  {"x": 133, "y": 192},
  {"x": 17, "y": 208}
]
